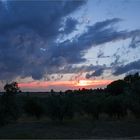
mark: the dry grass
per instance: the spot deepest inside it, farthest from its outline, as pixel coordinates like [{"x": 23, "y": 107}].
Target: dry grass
[{"x": 77, "y": 128}]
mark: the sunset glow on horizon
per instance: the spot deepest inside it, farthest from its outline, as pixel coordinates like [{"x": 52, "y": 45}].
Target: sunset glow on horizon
[{"x": 65, "y": 84}]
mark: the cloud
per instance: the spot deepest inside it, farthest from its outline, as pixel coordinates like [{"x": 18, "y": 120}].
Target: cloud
[
  {"x": 39, "y": 16},
  {"x": 103, "y": 32},
  {"x": 100, "y": 54},
  {"x": 135, "y": 42},
  {"x": 99, "y": 33},
  {"x": 97, "y": 73},
  {"x": 117, "y": 60},
  {"x": 25, "y": 27},
  {"x": 83, "y": 68},
  {"x": 69, "y": 25},
  {"x": 135, "y": 65},
  {"x": 29, "y": 30}
]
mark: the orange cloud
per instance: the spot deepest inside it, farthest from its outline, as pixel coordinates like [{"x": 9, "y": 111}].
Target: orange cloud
[{"x": 64, "y": 85}]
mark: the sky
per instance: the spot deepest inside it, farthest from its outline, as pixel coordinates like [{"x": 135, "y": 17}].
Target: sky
[{"x": 68, "y": 44}]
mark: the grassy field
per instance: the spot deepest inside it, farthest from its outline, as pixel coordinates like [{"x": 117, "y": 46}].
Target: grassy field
[{"x": 77, "y": 128}]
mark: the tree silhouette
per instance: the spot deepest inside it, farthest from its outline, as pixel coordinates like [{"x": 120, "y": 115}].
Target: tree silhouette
[
  {"x": 12, "y": 88},
  {"x": 116, "y": 87}
]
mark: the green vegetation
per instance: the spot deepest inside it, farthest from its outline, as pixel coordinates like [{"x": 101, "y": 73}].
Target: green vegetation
[
  {"x": 33, "y": 108},
  {"x": 117, "y": 101}
]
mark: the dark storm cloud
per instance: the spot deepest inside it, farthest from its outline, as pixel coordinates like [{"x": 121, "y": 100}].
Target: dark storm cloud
[
  {"x": 19, "y": 54},
  {"x": 135, "y": 65},
  {"x": 99, "y": 33},
  {"x": 25, "y": 27},
  {"x": 69, "y": 69},
  {"x": 70, "y": 25},
  {"x": 83, "y": 68},
  {"x": 117, "y": 60},
  {"x": 103, "y": 32},
  {"x": 28, "y": 33},
  {"x": 97, "y": 73},
  {"x": 73, "y": 51},
  {"x": 44, "y": 17}
]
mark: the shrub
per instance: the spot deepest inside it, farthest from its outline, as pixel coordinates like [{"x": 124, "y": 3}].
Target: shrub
[
  {"x": 33, "y": 108},
  {"x": 60, "y": 107},
  {"x": 115, "y": 107},
  {"x": 9, "y": 110}
]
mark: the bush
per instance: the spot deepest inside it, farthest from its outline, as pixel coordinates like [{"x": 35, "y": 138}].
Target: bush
[
  {"x": 9, "y": 110},
  {"x": 60, "y": 107},
  {"x": 33, "y": 108},
  {"x": 115, "y": 107},
  {"x": 93, "y": 104}
]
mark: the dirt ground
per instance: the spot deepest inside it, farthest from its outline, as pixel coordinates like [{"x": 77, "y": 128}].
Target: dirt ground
[{"x": 72, "y": 129}]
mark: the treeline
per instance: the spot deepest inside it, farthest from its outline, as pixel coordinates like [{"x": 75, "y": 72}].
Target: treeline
[{"x": 117, "y": 100}]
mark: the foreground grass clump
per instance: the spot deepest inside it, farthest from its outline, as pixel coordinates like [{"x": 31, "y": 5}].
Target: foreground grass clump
[{"x": 82, "y": 127}]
